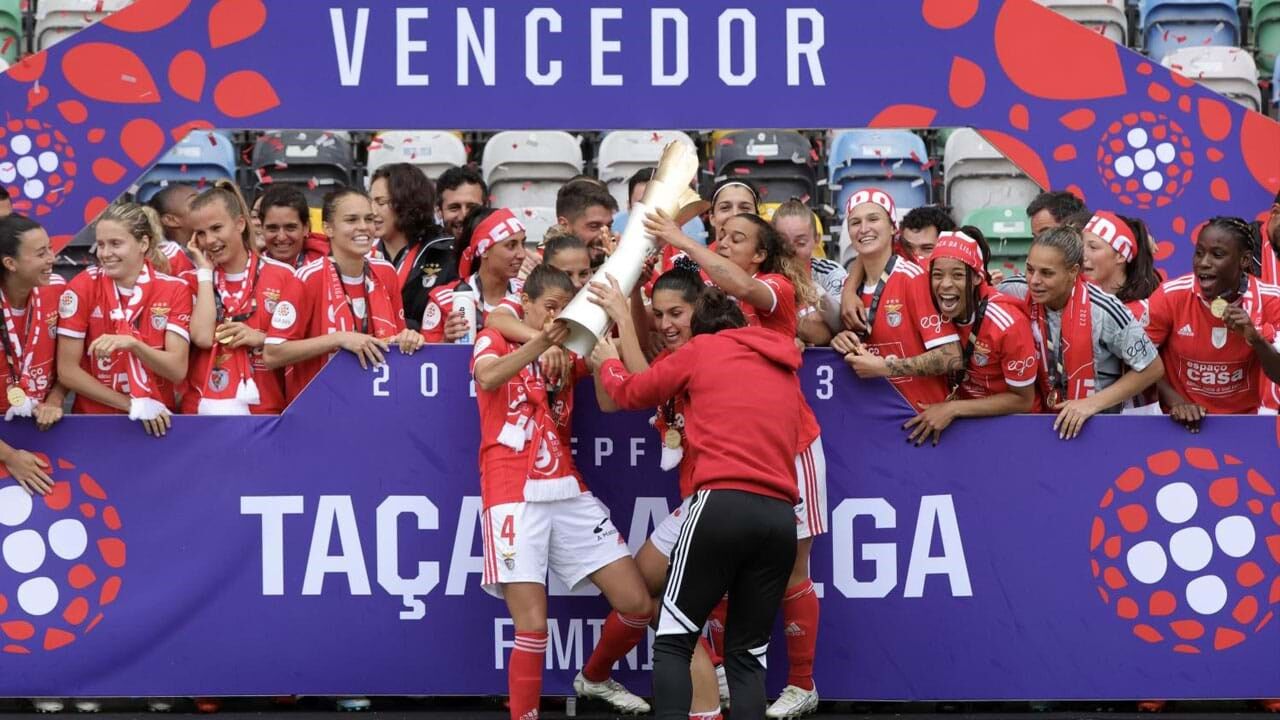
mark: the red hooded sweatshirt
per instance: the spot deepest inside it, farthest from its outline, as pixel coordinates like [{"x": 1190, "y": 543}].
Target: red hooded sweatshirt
[{"x": 744, "y": 413}]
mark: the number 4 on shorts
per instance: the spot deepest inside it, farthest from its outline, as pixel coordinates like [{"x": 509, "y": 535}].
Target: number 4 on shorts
[{"x": 509, "y": 530}]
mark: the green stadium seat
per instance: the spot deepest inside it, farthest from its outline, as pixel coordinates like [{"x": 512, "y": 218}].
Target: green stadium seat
[
  {"x": 12, "y": 40},
  {"x": 1008, "y": 232},
  {"x": 1266, "y": 34}
]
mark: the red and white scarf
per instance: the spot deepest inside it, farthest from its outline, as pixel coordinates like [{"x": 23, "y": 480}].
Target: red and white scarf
[
  {"x": 24, "y": 345},
  {"x": 1076, "y": 340},
  {"x": 378, "y": 310},
  {"x": 145, "y": 400},
  {"x": 529, "y": 428},
  {"x": 229, "y": 387}
]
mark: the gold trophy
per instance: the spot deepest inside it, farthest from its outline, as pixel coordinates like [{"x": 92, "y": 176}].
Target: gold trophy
[{"x": 669, "y": 192}]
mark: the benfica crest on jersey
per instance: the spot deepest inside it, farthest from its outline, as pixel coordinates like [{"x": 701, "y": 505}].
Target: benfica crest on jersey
[
  {"x": 1219, "y": 337},
  {"x": 981, "y": 354},
  {"x": 893, "y": 314}
]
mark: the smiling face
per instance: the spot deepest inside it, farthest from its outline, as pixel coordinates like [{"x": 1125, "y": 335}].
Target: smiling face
[
  {"x": 120, "y": 255},
  {"x": 589, "y": 227},
  {"x": 1102, "y": 264},
  {"x": 733, "y": 200},
  {"x": 870, "y": 229},
  {"x": 920, "y": 243},
  {"x": 949, "y": 279},
  {"x": 1049, "y": 280},
  {"x": 284, "y": 233},
  {"x": 350, "y": 229},
  {"x": 384, "y": 216},
  {"x": 33, "y": 265},
  {"x": 456, "y": 203},
  {"x": 1043, "y": 220},
  {"x": 740, "y": 244},
  {"x": 505, "y": 258},
  {"x": 220, "y": 236},
  {"x": 1218, "y": 262},
  {"x": 673, "y": 316},
  {"x": 800, "y": 234},
  {"x": 574, "y": 262}
]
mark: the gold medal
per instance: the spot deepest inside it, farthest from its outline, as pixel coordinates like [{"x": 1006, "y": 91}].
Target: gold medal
[
  {"x": 16, "y": 396},
  {"x": 1218, "y": 307},
  {"x": 672, "y": 438}
]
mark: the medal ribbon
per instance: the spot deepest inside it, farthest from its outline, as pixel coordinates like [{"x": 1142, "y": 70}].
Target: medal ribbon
[
  {"x": 20, "y": 362},
  {"x": 878, "y": 293}
]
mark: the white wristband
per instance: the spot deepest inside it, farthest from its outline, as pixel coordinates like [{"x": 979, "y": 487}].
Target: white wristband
[{"x": 204, "y": 275}]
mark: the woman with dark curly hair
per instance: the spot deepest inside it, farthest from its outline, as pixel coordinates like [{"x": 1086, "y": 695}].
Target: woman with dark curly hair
[{"x": 404, "y": 207}]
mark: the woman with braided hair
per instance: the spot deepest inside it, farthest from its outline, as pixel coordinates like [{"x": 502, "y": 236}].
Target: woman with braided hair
[{"x": 1216, "y": 329}]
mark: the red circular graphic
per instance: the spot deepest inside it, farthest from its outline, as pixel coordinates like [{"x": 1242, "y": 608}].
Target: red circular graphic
[
  {"x": 37, "y": 165},
  {"x": 1146, "y": 160}
]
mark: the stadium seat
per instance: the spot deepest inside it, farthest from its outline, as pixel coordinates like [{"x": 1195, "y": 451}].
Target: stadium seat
[
  {"x": 12, "y": 38},
  {"x": 316, "y": 161},
  {"x": 1266, "y": 33},
  {"x": 695, "y": 228},
  {"x": 781, "y": 163},
  {"x": 892, "y": 160},
  {"x": 59, "y": 19},
  {"x": 200, "y": 159},
  {"x": 1008, "y": 231},
  {"x": 622, "y": 153},
  {"x": 537, "y": 221},
  {"x": 978, "y": 176},
  {"x": 1105, "y": 16},
  {"x": 525, "y": 169},
  {"x": 1228, "y": 71},
  {"x": 1168, "y": 25},
  {"x": 432, "y": 151}
]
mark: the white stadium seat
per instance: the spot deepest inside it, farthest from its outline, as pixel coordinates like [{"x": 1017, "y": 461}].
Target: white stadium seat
[
  {"x": 525, "y": 169},
  {"x": 624, "y": 152},
  {"x": 432, "y": 151},
  {"x": 1108, "y": 16},
  {"x": 537, "y": 221},
  {"x": 978, "y": 176},
  {"x": 1228, "y": 71},
  {"x": 60, "y": 19}
]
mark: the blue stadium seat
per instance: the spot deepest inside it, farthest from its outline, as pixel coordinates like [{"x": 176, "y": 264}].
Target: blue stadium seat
[
  {"x": 892, "y": 160},
  {"x": 1168, "y": 25},
  {"x": 781, "y": 163},
  {"x": 200, "y": 159}
]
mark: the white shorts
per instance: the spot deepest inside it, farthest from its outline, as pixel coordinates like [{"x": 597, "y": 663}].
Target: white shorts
[
  {"x": 668, "y": 531},
  {"x": 811, "y": 476},
  {"x": 572, "y": 537}
]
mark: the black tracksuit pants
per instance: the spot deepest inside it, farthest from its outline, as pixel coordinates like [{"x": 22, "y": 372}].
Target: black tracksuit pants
[{"x": 732, "y": 542}]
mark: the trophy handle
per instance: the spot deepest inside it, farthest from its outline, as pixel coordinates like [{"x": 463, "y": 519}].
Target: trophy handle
[{"x": 691, "y": 206}]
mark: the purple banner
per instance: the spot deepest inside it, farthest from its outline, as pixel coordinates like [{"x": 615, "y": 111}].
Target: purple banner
[{"x": 336, "y": 550}]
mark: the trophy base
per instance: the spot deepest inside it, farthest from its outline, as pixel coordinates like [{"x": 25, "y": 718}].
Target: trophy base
[{"x": 581, "y": 339}]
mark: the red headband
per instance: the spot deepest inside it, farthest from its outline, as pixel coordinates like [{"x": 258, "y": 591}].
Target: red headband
[
  {"x": 495, "y": 229},
  {"x": 873, "y": 195},
  {"x": 959, "y": 246},
  {"x": 1114, "y": 232}
]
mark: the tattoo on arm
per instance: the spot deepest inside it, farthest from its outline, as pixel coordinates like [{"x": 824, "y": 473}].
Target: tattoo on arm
[{"x": 939, "y": 361}]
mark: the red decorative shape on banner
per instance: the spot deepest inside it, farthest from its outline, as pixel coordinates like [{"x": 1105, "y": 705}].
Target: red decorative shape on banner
[
  {"x": 1078, "y": 119},
  {"x": 142, "y": 140},
  {"x": 144, "y": 17},
  {"x": 1214, "y": 155},
  {"x": 1249, "y": 574},
  {"x": 1018, "y": 152},
  {"x": 1162, "y": 603},
  {"x": 1260, "y": 484},
  {"x": 88, "y": 510},
  {"x": 231, "y": 21},
  {"x": 1064, "y": 153},
  {"x": 1112, "y": 547},
  {"x": 1274, "y": 596},
  {"x": 967, "y": 83},
  {"x": 1165, "y": 462},
  {"x": 1186, "y": 649},
  {"x": 1158, "y": 92},
  {"x": 110, "y": 73},
  {"x": 1220, "y": 190},
  {"x": 1133, "y": 518},
  {"x": 16, "y": 650},
  {"x": 111, "y": 518},
  {"x": 1215, "y": 118},
  {"x": 948, "y": 14},
  {"x": 1201, "y": 458},
  {"x": 1187, "y": 629},
  {"x": 107, "y": 171},
  {"x": 91, "y": 487},
  {"x": 904, "y": 116},
  {"x": 1107, "y": 498},
  {"x": 113, "y": 552},
  {"x": 60, "y": 497},
  {"x": 110, "y": 590},
  {"x": 1148, "y": 633},
  {"x": 29, "y": 68},
  {"x": 18, "y": 629},
  {"x": 1245, "y": 610},
  {"x": 94, "y": 208},
  {"x": 37, "y": 96},
  {"x": 77, "y": 611},
  {"x": 1096, "y": 533},
  {"x": 1255, "y": 507},
  {"x": 186, "y": 129},
  {"x": 73, "y": 111},
  {"x": 96, "y": 135},
  {"x": 55, "y": 638},
  {"x": 4, "y": 603},
  {"x": 1224, "y": 491},
  {"x": 1019, "y": 117},
  {"x": 1260, "y": 148},
  {"x": 186, "y": 75},
  {"x": 1126, "y": 608},
  {"x": 81, "y": 576},
  {"x": 1225, "y": 638},
  {"x": 1130, "y": 480},
  {"x": 245, "y": 93},
  {"x": 1031, "y": 42},
  {"x": 1114, "y": 578}
]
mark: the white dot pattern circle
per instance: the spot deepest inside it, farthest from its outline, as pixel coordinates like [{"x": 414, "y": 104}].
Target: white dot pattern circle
[
  {"x": 15, "y": 506},
  {"x": 38, "y": 596},
  {"x": 1177, "y": 502},
  {"x": 1165, "y": 152},
  {"x": 1144, "y": 159},
  {"x": 33, "y": 189},
  {"x": 20, "y": 144},
  {"x": 68, "y": 538},
  {"x": 1191, "y": 549},
  {"x": 8, "y": 172},
  {"x": 1147, "y": 562},
  {"x": 1207, "y": 595},
  {"x": 1137, "y": 138},
  {"x": 48, "y": 161},
  {"x": 1235, "y": 536},
  {"x": 28, "y": 166},
  {"x": 24, "y": 551},
  {"x": 1153, "y": 181},
  {"x": 1124, "y": 166}
]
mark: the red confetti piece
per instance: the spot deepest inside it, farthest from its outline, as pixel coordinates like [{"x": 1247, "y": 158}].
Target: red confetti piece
[
  {"x": 726, "y": 141},
  {"x": 814, "y": 155},
  {"x": 313, "y": 183},
  {"x": 914, "y": 156},
  {"x": 203, "y": 181},
  {"x": 263, "y": 177},
  {"x": 1180, "y": 38},
  {"x": 742, "y": 170},
  {"x": 655, "y": 138},
  {"x": 282, "y": 165},
  {"x": 1208, "y": 41},
  {"x": 182, "y": 169},
  {"x": 8, "y": 42},
  {"x": 213, "y": 140}
]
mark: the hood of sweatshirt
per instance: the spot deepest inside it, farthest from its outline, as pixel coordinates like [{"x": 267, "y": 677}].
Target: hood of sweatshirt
[{"x": 775, "y": 346}]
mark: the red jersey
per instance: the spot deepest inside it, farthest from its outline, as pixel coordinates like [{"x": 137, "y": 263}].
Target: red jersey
[
  {"x": 759, "y": 456},
  {"x": 1206, "y": 363},
  {"x": 178, "y": 261},
  {"x": 440, "y": 306},
  {"x": 907, "y": 324},
  {"x": 505, "y": 472},
  {"x": 1003, "y": 355},
  {"x": 273, "y": 279},
  {"x": 306, "y": 310},
  {"x": 36, "y": 326},
  {"x": 83, "y": 313},
  {"x": 780, "y": 318}
]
